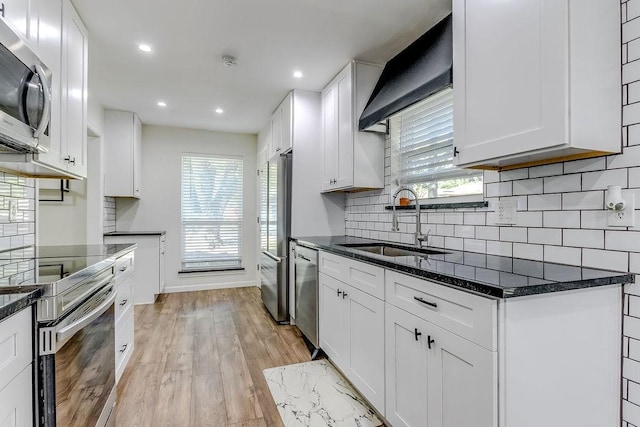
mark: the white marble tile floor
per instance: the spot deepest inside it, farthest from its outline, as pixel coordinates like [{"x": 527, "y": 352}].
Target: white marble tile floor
[{"x": 314, "y": 394}]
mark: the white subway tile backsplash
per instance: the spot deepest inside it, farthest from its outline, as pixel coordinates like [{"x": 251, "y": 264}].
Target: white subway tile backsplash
[
  {"x": 545, "y": 236},
  {"x": 622, "y": 240},
  {"x": 562, "y": 183},
  {"x": 630, "y": 114},
  {"x": 583, "y": 238},
  {"x": 563, "y": 255},
  {"x": 445, "y": 230},
  {"x": 608, "y": 260},
  {"x": 629, "y": 157},
  {"x": 583, "y": 200},
  {"x": 594, "y": 219},
  {"x": 475, "y": 218},
  {"x": 561, "y": 219},
  {"x": 513, "y": 234},
  {"x": 499, "y": 248},
  {"x": 585, "y": 165},
  {"x": 529, "y": 219},
  {"x": 492, "y": 176},
  {"x": 546, "y": 170},
  {"x": 474, "y": 245},
  {"x": 601, "y": 179},
  {"x": 488, "y": 233},
  {"x": 454, "y": 218},
  {"x": 527, "y": 186},
  {"x": 499, "y": 189},
  {"x": 454, "y": 243},
  {"x": 633, "y": 52},
  {"x": 540, "y": 202},
  {"x": 527, "y": 251},
  {"x": 514, "y": 174},
  {"x": 467, "y": 231}
]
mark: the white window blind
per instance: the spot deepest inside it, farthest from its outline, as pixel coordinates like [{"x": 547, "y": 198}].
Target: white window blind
[
  {"x": 211, "y": 212},
  {"x": 422, "y": 136}
]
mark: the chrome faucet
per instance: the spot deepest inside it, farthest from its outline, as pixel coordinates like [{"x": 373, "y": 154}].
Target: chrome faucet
[{"x": 394, "y": 221}]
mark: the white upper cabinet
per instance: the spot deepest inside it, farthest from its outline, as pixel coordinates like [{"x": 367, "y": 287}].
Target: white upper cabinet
[
  {"x": 16, "y": 14},
  {"x": 281, "y": 128},
  {"x": 74, "y": 91},
  {"x": 535, "y": 81},
  {"x": 352, "y": 159},
  {"x": 123, "y": 154}
]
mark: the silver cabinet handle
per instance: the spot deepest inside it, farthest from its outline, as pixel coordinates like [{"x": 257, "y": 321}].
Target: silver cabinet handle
[
  {"x": 124, "y": 348},
  {"x": 124, "y": 302},
  {"x": 122, "y": 269},
  {"x": 70, "y": 330}
]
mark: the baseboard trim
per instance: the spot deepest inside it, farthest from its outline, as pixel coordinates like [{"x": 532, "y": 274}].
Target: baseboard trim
[{"x": 207, "y": 287}]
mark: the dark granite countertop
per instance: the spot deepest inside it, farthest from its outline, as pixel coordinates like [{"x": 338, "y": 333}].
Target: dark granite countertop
[
  {"x": 489, "y": 275},
  {"x": 16, "y": 299},
  {"x": 135, "y": 233}
]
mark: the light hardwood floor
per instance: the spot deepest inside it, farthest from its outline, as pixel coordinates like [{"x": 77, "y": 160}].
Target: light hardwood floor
[{"x": 198, "y": 361}]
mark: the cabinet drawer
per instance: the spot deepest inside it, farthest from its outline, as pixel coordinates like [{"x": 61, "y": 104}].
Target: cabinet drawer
[
  {"x": 124, "y": 298},
  {"x": 16, "y": 343},
  {"x": 467, "y": 315},
  {"x": 365, "y": 277},
  {"x": 125, "y": 265},
  {"x": 124, "y": 341}
]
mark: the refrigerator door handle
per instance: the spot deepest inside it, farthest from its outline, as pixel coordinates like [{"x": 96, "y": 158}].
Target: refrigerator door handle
[{"x": 273, "y": 257}]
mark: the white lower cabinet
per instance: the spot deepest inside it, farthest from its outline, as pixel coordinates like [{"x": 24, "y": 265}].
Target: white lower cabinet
[
  {"x": 351, "y": 322},
  {"x": 16, "y": 373},
  {"x": 124, "y": 326},
  {"x": 436, "y": 378},
  {"x": 429, "y": 355}
]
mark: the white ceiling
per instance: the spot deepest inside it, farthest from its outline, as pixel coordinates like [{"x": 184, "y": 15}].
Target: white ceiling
[{"x": 270, "y": 38}]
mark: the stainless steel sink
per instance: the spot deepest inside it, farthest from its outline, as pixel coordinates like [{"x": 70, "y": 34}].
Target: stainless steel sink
[{"x": 392, "y": 251}]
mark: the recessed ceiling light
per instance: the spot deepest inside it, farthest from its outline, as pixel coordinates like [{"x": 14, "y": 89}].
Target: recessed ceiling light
[
  {"x": 162, "y": 104},
  {"x": 219, "y": 110},
  {"x": 297, "y": 74},
  {"x": 144, "y": 47}
]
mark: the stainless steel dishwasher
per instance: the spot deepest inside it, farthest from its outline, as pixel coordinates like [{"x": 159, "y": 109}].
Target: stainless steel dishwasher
[{"x": 306, "y": 302}]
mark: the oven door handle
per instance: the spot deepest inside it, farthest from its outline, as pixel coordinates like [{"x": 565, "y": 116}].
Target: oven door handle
[
  {"x": 69, "y": 331},
  {"x": 46, "y": 112}
]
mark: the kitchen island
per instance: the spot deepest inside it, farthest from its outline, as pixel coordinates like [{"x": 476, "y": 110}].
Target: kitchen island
[{"x": 448, "y": 337}]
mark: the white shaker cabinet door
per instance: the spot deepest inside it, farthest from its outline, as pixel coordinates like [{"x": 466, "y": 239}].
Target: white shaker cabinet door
[
  {"x": 333, "y": 334},
  {"x": 365, "y": 320},
  {"x": 463, "y": 383},
  {"x": 510, "y": 76},
  {"x": 407, "y": 369},
  {"x": 16, "y": 409}
]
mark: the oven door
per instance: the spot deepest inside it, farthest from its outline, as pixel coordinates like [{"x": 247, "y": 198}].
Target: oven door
[
  {"x": 77, "y": 365},
  {"x": 25, "y": 96}
]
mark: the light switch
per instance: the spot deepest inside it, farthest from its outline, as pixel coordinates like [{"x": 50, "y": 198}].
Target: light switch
[{"x": 506, "y": 211}]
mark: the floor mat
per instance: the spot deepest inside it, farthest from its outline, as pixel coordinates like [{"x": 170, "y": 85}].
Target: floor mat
[{"x": 314, "y": 394}]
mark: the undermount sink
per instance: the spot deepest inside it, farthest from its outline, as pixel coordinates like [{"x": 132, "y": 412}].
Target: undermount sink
[{"x": 392, "y": 251}]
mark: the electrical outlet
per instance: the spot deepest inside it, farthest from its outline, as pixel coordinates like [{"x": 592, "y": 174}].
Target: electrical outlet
[
  {"x": 625, "y": 217},
  {"x": 506, "y": 212},
  {"x": 13, "y": 211}
]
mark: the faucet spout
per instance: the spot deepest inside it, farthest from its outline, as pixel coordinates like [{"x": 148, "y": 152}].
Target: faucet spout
[{"x": 419, "y": 237}]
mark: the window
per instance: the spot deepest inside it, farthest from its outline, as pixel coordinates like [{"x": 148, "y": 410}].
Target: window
[
  {"x": 422, "y": 144},
  {"x": 211, "y": 212}
]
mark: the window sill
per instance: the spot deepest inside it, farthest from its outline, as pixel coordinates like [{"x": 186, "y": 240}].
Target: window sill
[
  {"x": 481, "y": 204},
  {"x": 210, "y": 270}
]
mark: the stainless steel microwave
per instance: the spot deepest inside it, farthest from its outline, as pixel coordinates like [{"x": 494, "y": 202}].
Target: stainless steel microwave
[{"x": 25, "y": 96}]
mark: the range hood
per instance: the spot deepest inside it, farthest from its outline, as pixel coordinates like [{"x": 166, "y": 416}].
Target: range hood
[{"x": 422, "y": 69}]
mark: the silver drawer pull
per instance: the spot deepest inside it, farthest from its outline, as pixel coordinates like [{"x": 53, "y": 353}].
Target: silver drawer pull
[
  {"x": 429, "y": 303},
  {"x": 124, "y": 302},
  {"x": 123, "y": 268},
  {"x": 124, "y": 348}
]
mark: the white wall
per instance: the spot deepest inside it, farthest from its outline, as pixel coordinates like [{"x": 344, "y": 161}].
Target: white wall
[
  {"x": 63, "y": 223},
  {"x": 159, "y": 205}
]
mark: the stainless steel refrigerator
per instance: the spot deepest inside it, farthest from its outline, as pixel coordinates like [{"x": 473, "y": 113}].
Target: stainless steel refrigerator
[{"x": 275, "y": 230}]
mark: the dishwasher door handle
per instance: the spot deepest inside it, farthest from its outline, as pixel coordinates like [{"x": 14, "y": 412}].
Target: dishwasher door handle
[
  {"x": 303, "y": 257},
  {"x": 273, "y": 257}
]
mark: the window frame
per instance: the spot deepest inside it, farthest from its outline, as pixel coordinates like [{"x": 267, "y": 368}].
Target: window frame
[
  {"x": 395, "y": 164},
  {"x": 239, "y": 222}
]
